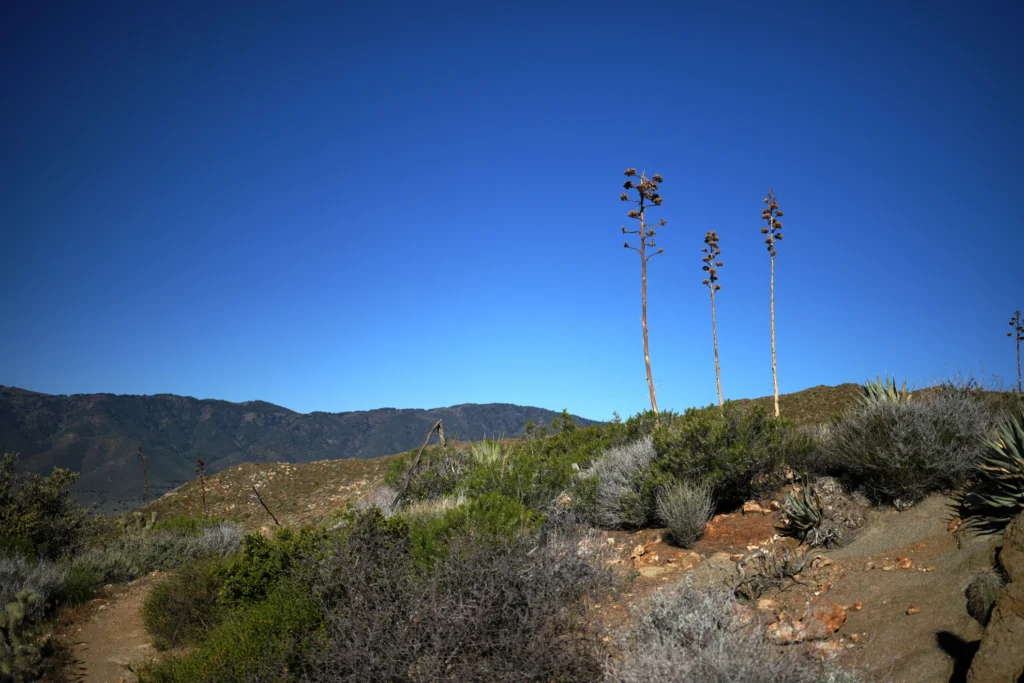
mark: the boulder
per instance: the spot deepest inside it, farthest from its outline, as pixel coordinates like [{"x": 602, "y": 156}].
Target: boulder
[{"x": 1001, "y": 655}]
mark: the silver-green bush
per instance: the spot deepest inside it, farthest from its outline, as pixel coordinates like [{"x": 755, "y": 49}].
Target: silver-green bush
[
  {"x": 685, "y": 509},
  {"x": 899, "y": 452},
  {"x": 44, "y": 578},
  {"x": 618, "y": 498},
  {"x": 693, "y": 636},
  {"x": 133, "y": 555}
]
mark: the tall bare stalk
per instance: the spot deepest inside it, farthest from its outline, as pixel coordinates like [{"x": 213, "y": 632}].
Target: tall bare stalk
[
  {"x": 145, "y": 477},
  {"x": 647, "y": 191},
  {"x": 773, "y": 233},
  {"x": 1017, "y": 326},
  {"x": 201, "y": 471},
  {"x": 711, "y": 266}
]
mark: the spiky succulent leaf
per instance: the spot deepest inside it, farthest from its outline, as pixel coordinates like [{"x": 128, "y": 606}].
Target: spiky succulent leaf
[
  {"x": 999, "y": 495},
  {"x": 884, "y": 390}
]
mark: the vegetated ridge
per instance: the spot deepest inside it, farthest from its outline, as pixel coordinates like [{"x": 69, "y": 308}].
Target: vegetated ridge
[
  {"x": 98, "y": 435},
  {"x": 299, "y": 493}
]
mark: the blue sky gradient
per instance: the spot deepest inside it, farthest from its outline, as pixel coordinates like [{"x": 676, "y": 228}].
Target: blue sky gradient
[{"x": 344, "y": 206}]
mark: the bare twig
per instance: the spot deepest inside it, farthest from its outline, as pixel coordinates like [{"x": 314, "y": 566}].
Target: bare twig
[
  {"x": 260, "y": 499},
  {"x": 145, "y": 477},
  {"x": 412, "y": 468},
  {"x": 201, "y": 471}
]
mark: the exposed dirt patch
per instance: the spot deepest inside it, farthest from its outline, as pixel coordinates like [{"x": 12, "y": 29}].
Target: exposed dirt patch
[
  {"x": 296, "y": 493},
  {"x": 110, "y": 635},
  {"x": 900, "y": 582},
  {"x": 907, "y": 571}
]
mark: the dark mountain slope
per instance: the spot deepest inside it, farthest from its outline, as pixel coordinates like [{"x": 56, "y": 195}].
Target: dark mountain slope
[{"x": 98, "y": 434}]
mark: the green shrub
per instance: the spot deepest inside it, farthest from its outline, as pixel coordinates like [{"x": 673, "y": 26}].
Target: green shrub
[
  {"x": 81, "y": 584},
  {"x": 259, "y": 642},
  {"x": 490, "y": 518},
  {"x": 736, "y": 451},
  {"x": 250, "y": 576},
  {"x": 899, "y": 452},
  {"x": 133, "y": 555},
  {"x": 184, "y": 607},
  {"x": 190, "y": 526},
  {"x": 37, "y": 516},
  {"x": 497, "y": 612},
  {"x": 438, "y": 474},
  {"x": 685, "y": 509}
]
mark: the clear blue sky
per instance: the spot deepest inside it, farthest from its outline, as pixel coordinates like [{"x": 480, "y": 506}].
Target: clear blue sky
[{"x": 344, "y": 206}]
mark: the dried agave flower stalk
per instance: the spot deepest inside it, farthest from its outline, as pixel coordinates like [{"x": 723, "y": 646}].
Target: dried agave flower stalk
[
  {"x": 772, "y": 233},
  {"x": 1017, "y": 327},
  {"x": 711, "y": 266},
  {"x": 647, "y": 192}
]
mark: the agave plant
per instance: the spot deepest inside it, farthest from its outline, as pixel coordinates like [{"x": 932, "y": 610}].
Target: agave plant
[
  {"x": 999, "y": 495},
  {"x": 803, "y": 512},
  {"x": 488, "y": 452},
  {"x": 884, "y": 390}
]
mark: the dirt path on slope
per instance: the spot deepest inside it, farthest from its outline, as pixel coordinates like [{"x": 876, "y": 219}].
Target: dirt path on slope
[{"x": 112, "y": 635}]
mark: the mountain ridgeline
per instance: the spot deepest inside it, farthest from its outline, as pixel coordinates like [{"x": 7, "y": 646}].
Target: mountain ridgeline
[{"x": 98, "y": 435}]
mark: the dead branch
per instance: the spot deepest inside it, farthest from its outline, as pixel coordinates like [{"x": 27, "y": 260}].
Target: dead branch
[
  {"x": 412, "y": 468},
  {"x": 260, "y": 499}
]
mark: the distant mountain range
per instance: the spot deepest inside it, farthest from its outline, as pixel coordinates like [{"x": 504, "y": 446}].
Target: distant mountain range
[{"x": 98, "y": 435}]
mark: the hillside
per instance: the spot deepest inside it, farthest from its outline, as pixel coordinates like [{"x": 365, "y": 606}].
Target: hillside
[
  {"x": 300, "y": 493},
  {"x": 98, "y": 434}
]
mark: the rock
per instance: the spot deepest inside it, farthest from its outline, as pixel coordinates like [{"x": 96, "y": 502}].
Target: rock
[
  {"x": 904, "y": 562},
  {"x": 752, "y": 507},
  {"x": 651, "y": 570},
  {"x": 775, "y": 506},
  {"x": 766, "y": 605},
  {"x": 830, "y": 649},
  {"x": 824, "y": 619},
  {"x": 687, "y": 559},
  {"x": 1011, "y": 557},
  {"x": 638, "y": 551},
  {"x": 857, "y": 606},
  {"x": 913, "y": 610},
  {"x": 1000, "y": 656},
  {"x": 717, "y": 571},
  {"x": 953, "y": 525}
]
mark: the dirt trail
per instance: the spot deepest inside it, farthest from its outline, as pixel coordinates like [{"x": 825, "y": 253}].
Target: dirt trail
[{"x": 112, "y": 635}]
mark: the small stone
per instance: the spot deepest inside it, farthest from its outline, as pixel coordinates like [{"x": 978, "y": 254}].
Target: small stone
[
  {"x": 766, "y": 605},
  {"x": 953, "y": 525},
  {"x": 854, "y": 638},
  {"x": 775, "y": 505},
  {"x": 736, "y": 558},
  {"x": 638, "y": 551},
  {"x": 904, "y": 562},
  {"x": 913, "y": 610},
  {"x": 825, "y": 619},
  {"x": 857, "y": 606},
  {"x": 751, "y": 507}
]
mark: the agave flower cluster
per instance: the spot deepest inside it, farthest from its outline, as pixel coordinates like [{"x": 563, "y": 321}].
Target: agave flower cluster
[
  {"x": 771, "y": 214},
  {"x": 711, "y": 264}
]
